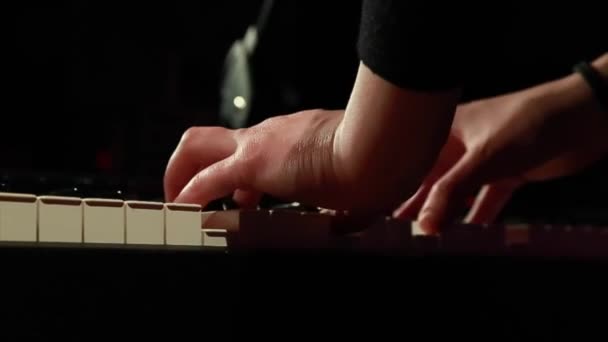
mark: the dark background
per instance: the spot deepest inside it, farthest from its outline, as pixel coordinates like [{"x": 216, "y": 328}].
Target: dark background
[{"x": 108, "y": 87}]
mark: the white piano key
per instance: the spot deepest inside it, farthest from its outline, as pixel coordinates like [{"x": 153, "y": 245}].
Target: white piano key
[
  {"x": 59, "y": 219},
  {"x": 417, "y": 229},
  {"x": 183, "y": 224},
  {"x": 217, "y": 224},
  {"x": 214, "y": 237},
  {"x": 104, "y": 221},
  {"x": 222, "y": 219},
  {"x": 145, "y": 223},
  {"x": 18, "y": 217}
]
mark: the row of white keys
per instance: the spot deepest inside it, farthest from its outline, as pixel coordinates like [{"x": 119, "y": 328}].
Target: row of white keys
[{"x": 28, "y": 218}]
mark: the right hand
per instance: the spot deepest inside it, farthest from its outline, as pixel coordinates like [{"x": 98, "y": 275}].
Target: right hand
[
  {"x": 363, "y": 159},
  {"x": 290, "y": 157}
]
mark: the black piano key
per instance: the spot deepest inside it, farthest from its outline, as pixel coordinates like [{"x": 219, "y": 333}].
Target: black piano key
[
  {"x": 268, "y": 202},
  {"x": 295, "y": 206},
  {"x": 215, "y": 205},
  {"x": 471, "y": 239},
  {"x": 283, "y": 230},
  {"x": 425, "y": 245},
  {"x": 220, "y": 204},
  {"x": 388, "y": 235}
]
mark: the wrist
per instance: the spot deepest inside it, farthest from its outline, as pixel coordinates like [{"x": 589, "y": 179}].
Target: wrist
[
  {"x": 571, "y": 104},
  {"x": 570, "y": 93}
]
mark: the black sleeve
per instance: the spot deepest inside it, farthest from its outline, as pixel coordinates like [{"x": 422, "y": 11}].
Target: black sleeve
[{"x": 419, "y": 45}]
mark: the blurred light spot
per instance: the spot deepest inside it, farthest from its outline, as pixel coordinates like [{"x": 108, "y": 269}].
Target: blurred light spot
[{"x": 239, "y": 102}]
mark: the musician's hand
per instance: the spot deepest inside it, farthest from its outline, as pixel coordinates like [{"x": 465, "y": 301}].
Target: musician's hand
[
  {"x": 344, "y": 160},
  {"x": 290, "y": 157},
  {"x": 498, "y": 144}
]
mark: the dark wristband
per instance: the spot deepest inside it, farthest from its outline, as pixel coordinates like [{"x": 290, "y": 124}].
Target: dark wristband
[{"x": 595, "y": 81}]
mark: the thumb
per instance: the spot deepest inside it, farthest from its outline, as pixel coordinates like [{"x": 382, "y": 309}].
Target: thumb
[{"x": 449, "y": 191}]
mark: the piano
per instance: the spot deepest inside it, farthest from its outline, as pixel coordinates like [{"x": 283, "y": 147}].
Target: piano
[
  {"x": 97, "y": 263},
  {"x": 87, "y": 258},
  {"x": 112, "y": 221}
]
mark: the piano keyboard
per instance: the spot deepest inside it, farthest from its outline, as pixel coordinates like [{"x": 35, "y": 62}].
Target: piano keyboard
[
  {"x": 277, "y": 229},
  {"x": 26, "y": 218},
  {"x": 106, "y": 269},
  {"x": 92, "y": 222}
]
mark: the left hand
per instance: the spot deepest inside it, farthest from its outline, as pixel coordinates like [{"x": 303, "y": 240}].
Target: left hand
[{"x": 498, "y": 144}]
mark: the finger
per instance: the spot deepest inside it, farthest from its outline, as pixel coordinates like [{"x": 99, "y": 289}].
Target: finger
[
  {"x": 218, "y": 180},
  {"x": 198, "y": 148},
  {"x": 450, "y": 154},
  {"x": 247, "y": 199},
  {"x": 450, "y": 190},
  {"x": 410, "y": 208},
  {"x": 491, "y": 200}
]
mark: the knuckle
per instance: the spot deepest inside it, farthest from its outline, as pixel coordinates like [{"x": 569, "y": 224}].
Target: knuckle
[
  {"x": 193, "y": 134},
  {"x": 197, "y": 180},
  {"x": 243, "y": 175},
  {"x": 187, "y": 144},
  {"x": 480, "y": 151},
  {"x": 189, "y": 135},
  {"x": 239, "y": 174},
  {"x": 247, "y": 161}
]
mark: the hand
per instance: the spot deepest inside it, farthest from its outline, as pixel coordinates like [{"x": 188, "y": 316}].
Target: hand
[
  {"x": 290, "y": 157},
  {"x": 344, "y": 160},
  {"x": 496, "y": 145}
]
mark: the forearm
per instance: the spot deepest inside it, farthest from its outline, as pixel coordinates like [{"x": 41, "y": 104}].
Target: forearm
[
  {"x": 574, "y": 119},
  {"x": 572, "y": 91},
  {"x": 571, "y": 103},
  {"x": 389, "y": 137}
]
